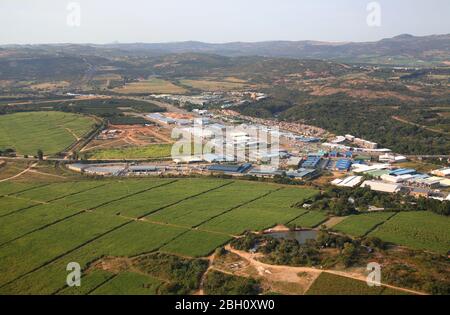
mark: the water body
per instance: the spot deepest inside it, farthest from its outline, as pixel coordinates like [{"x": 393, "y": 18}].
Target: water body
[{"x": 301, "y": 236}]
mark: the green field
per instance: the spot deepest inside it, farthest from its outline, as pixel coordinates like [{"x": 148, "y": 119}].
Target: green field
[
  {"x": 153, "y": 151},
  {"x": 360, "y": 225},
  {"x": 152, "y": 85},
  {"x": 128, "y": 283},
  {"x": 311, "y": 219},
  {"x": 45, "y": 227},
  {"x": 329, "y": 284},
  {"x": 51, "y": 132},
  {"x": 419, "y": 230},
  {"x": 275, "y": 208}
]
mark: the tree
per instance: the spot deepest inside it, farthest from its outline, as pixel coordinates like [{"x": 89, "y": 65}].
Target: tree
[{"x": 40, "y": 154}]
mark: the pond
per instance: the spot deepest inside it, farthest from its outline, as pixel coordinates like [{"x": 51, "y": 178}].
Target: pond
[{"x": 301, "y": 236}]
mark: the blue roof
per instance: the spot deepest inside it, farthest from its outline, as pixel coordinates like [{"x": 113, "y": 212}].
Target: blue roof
[
  {"x": 230, "y": 168},
  {"x": 311, "y": 162},
  {"x": 402, "y": 171},
  {"x": 343, "y": 164}
]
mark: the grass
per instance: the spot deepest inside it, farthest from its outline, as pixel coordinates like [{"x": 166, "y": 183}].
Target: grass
[
  {"x": 360, "y": 225},
  {"x": 329, "y": 284},
  {"x": 196, "y": 244},
  {"x": 185, "y": 217},
  {"x": 153, "y": 151},
  {"x": 309, "y": 220},
  {"x": 206, "y": 85},
  {"x": 128, "y": 283},
  {"x": 152, "y": 85},
  {"x": 262, "y": 213},
  {"x": 418, "y": 230},
  {"x": 10, "y": 204},
  {"x": 50, "y": 132},
  {"x": 89, "y": 283},
  {"x": 197, "y": 210},
  {"x": 159, "y": 197}
]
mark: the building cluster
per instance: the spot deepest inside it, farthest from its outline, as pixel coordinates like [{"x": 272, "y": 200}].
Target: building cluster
[
  {"x": 361, "y": 142},
  {"x": 224, "y": 99},
  {"x": 386, "y": 178}
]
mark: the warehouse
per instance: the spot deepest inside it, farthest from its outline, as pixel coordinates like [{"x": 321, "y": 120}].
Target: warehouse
[
  {"x": 382, "y": 187},
  {"x": 350, "y": 181},
  {"x": 343, "y": 165},
  {"x": 403, "y": 171},
  {"x": 443, "y": 172},
  {"x": 239, "y": 169},
  {"x": 311, "y": 162}
]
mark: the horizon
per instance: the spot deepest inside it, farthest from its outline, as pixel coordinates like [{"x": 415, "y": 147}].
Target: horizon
[
  {"x": 218, "y": 43},
  {"x": 173, "y": 21}
]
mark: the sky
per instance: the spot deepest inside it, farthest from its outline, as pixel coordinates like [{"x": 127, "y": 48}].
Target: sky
[{"x": 217, "y": 21}]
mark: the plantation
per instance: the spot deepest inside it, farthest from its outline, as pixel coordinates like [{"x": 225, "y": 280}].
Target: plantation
[
  {"x": 152, "y": 85},
  {"x": 128, "y": 283},
  {"x": 311, "y": 219},
  {"x": 43, "y": 227},
  {"x": 274, "y": 208},
  {"x": 46, "y": 226},
  {"x": 153, "y": 151},
  {"x": 418, "y": 230},
  {"x": 360, "y": 225},
  {"x": 329, "y": 284},
  {"x": 50, "y": 132}
]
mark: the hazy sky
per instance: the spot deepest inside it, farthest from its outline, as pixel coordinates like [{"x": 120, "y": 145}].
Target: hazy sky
[{"x": 105, "y": 21}]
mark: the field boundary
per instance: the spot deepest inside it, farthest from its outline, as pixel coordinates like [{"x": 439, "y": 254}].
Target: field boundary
[
  {"x": 184, "y": 199},
  {"x": 238, "y": 206},
  {"x": 379, "y": 224},
  {"x": 82, "y": 211}
]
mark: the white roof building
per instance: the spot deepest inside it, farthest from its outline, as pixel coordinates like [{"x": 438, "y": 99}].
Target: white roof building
[
  {"x": 444, "y": 172},
  {"x": 381, "y": 186},
  {"x": 350, "y": 181}
]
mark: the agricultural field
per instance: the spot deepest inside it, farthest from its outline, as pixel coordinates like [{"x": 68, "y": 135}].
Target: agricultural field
[
  {"x": 152, "y": 85},
  {"x": 128, "y": 283},
  {"x": 329, "y": 284},
  {"x": 360, "y": 225},
  {"x": 153, "y": 151},
  {"x": 310, "y": 219},
  {"x": 50, "y": 132},
  {"x": 206, "y": 85},
  {"x": 418, "y": 230},
  {"x": 46, "y": 226},
  {"x": 274, "y": 208}
]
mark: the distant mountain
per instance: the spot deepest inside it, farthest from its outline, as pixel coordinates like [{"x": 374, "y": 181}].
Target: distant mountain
[{"x": 402, "y": 49}]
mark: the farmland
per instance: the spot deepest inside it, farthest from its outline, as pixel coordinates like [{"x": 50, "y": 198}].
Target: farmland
[
  {"x": 329, "y": 284},
  {"x": 206, "y": 85},
  {"x": 360, "y": 225},
  {"x": 309, "y": 220},
  {"x": 55, "y": 131},
  {"x": 48, "y": 226},
  {"x": 152, "y": 85},
  {"x": 418, "y": 230},
  {"x": 138, "y": 152}
]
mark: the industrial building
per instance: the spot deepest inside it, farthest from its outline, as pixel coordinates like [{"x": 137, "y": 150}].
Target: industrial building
[
  {"x": 350, "y": 181},
  {"x": 382, "y": 187},
  {"x": 236, "y": 169},
  {"x": 343, "y": 165},
  {"x": 312, "y": 161},
  {"x": 443, "y": 172}
]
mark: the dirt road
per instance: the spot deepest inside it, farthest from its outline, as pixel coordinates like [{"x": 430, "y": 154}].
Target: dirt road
[{"x": 288, "y": 273}]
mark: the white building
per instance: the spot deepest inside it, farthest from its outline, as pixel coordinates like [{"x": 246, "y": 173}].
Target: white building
[{"x": 381, "y": 186}]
